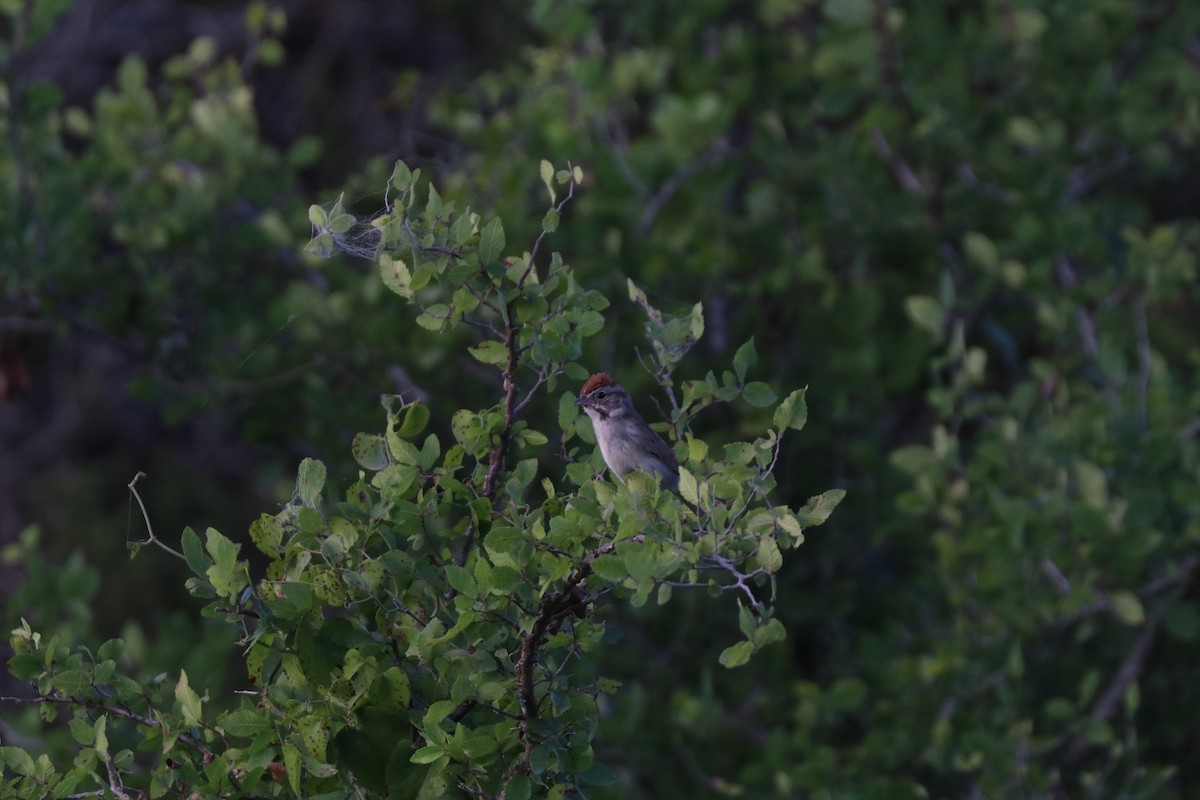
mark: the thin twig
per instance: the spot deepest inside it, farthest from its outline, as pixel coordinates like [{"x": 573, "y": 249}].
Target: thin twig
[
  {"x": 1145, "y": 356},
  {"x": 740, "y": 579},
  {"x": 553, "y": 606},
  {"x": 537, "y": 243},
  {"x": 541, "y": 381},
  {"x": 1129, "y": 671},
  {"x": 1134, "y": 662},
  {"x": 1182, "y": 575},
  {"x": 114, "y": 780},
  {"x": 714, "y": 155},
  {"x": 511, "y": 406},
  {"x": 905, "y": 174},
  {"x": 149, "y": 528},
  {"x": 26, "y": 324},
  {"x": 187, "y": 739},
  {"x": 617, "y": 144}
]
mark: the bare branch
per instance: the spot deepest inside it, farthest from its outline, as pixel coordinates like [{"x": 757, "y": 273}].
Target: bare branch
[
  {"x": 149, "y": 528},
  {"x": 555, "y": 605},
  {"x": 114, "y": 781},
  {"x": 538, "y": 242},
  {"x": 905, "y": 174},
  {"x": 714, "y": 155},
  {"x": 740, "y": 579},
  {"x": 1145, "y": 356},
  {"x": 541, "y": 381},
  {"x": 1133, "y": 664}
]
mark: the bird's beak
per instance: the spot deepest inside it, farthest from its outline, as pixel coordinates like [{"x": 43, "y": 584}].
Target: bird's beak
[{"x": 579, "y": 401}]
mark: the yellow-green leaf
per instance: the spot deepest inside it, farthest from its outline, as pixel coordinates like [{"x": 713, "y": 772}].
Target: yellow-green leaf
[
  {"x": 792, "y": 412},
  {"x": 736, "y": 655}
]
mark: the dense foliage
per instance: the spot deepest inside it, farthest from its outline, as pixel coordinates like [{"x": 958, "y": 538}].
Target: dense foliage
[
  {"x": 970, "y": 227},
  {"x": 435, "y": 632}
]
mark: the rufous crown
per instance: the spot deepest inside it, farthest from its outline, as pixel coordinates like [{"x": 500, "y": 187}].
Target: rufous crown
[{"x": 595, "y": 382}]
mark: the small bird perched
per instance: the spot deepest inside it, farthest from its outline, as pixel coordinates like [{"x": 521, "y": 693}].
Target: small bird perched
[{"x": 627, "y": 443}]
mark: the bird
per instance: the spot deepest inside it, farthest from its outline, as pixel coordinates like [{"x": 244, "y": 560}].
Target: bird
[{"x": 627, "y": 443}]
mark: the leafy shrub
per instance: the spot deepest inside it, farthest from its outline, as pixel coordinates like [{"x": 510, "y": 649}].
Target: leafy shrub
[{"x": 437, "y": 627}]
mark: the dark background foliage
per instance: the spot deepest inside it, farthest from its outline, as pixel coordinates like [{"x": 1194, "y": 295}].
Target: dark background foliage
[{"x": 970, "y": 228}]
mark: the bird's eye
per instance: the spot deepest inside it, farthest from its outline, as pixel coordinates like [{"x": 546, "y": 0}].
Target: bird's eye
[{"x": 600, "y": 394}]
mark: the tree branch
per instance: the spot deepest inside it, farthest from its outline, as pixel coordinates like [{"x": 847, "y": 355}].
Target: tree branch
[
  {"x": 714, "y": 155},
  {"x": 187, "y": 739},
  {"x": 537, "y": 243},
  {"x": 511, "y": 406},
  {"x": 1131, "y": 667},
  {"x": 149, "y": 528},
  {"x": 568, "y": 599}
]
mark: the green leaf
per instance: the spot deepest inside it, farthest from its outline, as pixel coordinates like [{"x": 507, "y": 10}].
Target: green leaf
[
  {"x": 744, "y": 358},
  {"x": 396, "y": 276},
  {"x": 25, "y": 666},
  {"x": 81, "y": 732},
  {"x": 758, "y": 394},
  {"x": 317, "y": 216},
  {"x": 818, "y": 508},
  {"x": 981, "y": 250},
  {"x": 771, "y": 632},
  {"x": 321, "y": 246},
  {"x": 641, "y": 562},
  {"x": 429, "y": 452},
  {"x": 491, "y": 242},
  {"x": 370, "y": 451},
  {"x": 589, "y": 323},
  {"x": 223, "y": 574},
  {"x": 1128, "y": 608},
  {"x": 1025, "y": 132},
  {"x": 697, "y": 321},
  {"x": 100, "y": 734},
  {"x": 291, "y": 761},
  {"x": 462, "y": 581},
  {"x": 532, "y": 438},
  {"x": 610, "y": 568},
  {"x": 736, "y": 655},
  {"x": 416, "y": 417},
  {"x": 310, "y": 482},
  {"x": 189, "y": 701},
  {"x": 1091, "y": 483},
  {"x": 193, "y": 553},
  {"x": 438, "y": 711},
  {"x": 688, "y": 488},
  {"x": 267, "y": 535},
  {"x": 792, "y": 526},
  {"x": 402, "y": 176},
  {"x": 597, "y": 775},
  {"x": 927, "y": 314},
  {"x": 490, "y": 352},
  {"x": 636, "y": 294},
  {"x": 434, "y": 204},
  {"x": 504, "y": 579},
  {"x": 434, "y": 318},
  {"x": 546, "y": 170},
  {"x": 550, "y": 221},
  {"x": 16, "y": 758},
  {"x": 519, "y": 788},
  {"x": 392, "y": 689},
  {"x": 245, "y": 722},
  {"x": 792, "y": 412},
  {"x": 769, "y": 557}
]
